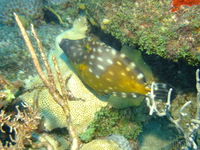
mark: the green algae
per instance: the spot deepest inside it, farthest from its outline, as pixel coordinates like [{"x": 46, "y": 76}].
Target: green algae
[
  {"x": 151, "y": 25},
  {"x": 125, "y": 122}
]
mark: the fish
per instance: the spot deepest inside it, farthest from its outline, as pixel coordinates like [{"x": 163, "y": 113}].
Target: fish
[
  {"x": 106, "y": 70},
  {"x": 177, "y": 3}
]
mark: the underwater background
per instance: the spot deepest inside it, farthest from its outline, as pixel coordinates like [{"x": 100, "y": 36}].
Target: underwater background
[{"x": 61, "y": 109}]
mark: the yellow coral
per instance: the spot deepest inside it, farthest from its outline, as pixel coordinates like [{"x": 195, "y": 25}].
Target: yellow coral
[{"x": 101, "y": 144}]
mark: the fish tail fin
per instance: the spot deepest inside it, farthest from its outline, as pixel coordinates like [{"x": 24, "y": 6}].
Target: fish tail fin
[{"x": 160, "y": 91}]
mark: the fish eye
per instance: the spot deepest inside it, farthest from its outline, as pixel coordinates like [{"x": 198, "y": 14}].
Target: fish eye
[{"x": 86, "y": 48}]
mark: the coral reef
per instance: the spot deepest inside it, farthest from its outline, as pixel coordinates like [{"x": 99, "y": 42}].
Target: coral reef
[
  {"x": 89, "y": 119},
  {"x": 66, "y": 10},
  {"x": 150, "y": 25},
  {"x": 100, "y": 144},
  {"x": 16, "y": 129},
  {"x": 8, "y": 91},
  {"x": 187, "y": 120},
  {"x": 110, "y": 120},
  {"x": 157, "y": 134},
  {"x": 15, "y": 59},
  {"x": 123, "y": 143},
  {"x": 29, "y": 8},
  {"x": 57, "y": 1}
]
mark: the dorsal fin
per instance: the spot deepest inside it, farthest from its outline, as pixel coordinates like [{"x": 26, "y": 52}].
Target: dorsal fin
[{"x": 136, "y": 57}]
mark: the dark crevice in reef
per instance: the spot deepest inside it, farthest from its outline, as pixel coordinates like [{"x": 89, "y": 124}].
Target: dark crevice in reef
[{"x": 179, "y": 74}]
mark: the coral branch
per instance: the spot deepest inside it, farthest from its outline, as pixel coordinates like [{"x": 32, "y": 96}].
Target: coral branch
[
  {"x": 49, "y": 72},
  {"x": 198, "y": 93},
  {"x": 20, "y": 126},
  {"x": 59, "y": 97},
  {"x": 193, "y": 124}
]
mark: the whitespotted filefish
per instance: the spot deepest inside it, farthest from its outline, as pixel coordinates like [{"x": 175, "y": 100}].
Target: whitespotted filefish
[{"x": 104, "y": 69}]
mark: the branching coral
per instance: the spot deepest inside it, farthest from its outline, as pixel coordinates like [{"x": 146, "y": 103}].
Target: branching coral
[
  {"x": 59, "y": 96},
  {"x": 193, "y": 125},
  {"x": 18, "y": 128}
]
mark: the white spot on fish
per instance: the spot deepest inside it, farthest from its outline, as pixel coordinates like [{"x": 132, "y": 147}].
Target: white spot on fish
[
  {"x": 79, "y": 49},
  {"x": 124, "y": 95},
  {"x": 72, "y": 47},
  {"x": 100, "y": 67},
  {"x": 91, "y": 63},
  {"x": 123, "y": 74},
  {"x": 119, "y": 63},
  {"x": 114, "y": 93},
  {"x": 97, "y": 77},
  {"x": 132, "y": 64},
  {"x": 100, "y": 59},
  {"x": 90, "y": 70},
  {"x": 100, "y": 50},
  {"x": 106, "y": 91},
  {"x": 111, "y": 73},
  {"x": 108, "y": 79},
  {"x": 92, "y": 56},
  {"x": 140, "y": 76},
  {"x": 127, "y": 69},
  {"x": 122, "y": 55},
  {"x": 113, "y": 52},
  {"x": 134, "y": 95},
  {"x": 109, "y": 61},
  {"x": 107, "y": 49},
  {"x": 110, "y": 88},
  {"x": 85, "y": 56}
]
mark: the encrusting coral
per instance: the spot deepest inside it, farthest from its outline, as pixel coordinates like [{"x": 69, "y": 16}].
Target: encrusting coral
[
  {"x": 101, "y": 144},
  {"x": 8, "y": 91},
  {"x": 150, "y": 25},
  {"x": 30, "y": 8}
]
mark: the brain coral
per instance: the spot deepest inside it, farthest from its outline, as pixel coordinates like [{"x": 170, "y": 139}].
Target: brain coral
[{"x": 30, "y": 8}]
